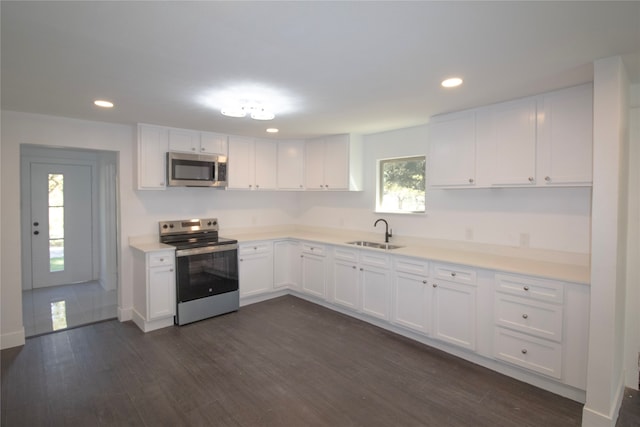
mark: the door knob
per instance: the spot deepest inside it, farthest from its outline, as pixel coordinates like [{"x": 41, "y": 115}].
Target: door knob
[
  {"x": 36, "y": 232},
  {"x": 35, "y": 224}
]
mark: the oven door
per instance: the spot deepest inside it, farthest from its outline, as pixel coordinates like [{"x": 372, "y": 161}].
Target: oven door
[{"x": 200, "y": 275}]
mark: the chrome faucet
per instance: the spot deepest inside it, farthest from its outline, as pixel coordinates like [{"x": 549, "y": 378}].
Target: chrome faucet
[{"x": 387, "y": 232}]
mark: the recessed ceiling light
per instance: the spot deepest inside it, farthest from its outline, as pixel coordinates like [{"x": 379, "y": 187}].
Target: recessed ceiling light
[
  {"x": 102, "y": 103},
  {"x": 452, "y": 82},
  {"x": 272, "y": 130}
]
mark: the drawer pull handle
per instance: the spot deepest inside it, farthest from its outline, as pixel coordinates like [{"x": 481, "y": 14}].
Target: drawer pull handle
[
  {"x": 524, "y": 351},
  {"x": 453, "y": 274},
  {"x": 525, "y": 316},
  {"x": 526, "y": 288}
]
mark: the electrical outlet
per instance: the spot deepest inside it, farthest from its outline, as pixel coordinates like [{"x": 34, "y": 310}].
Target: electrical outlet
[{"x": 469, "y": 233}]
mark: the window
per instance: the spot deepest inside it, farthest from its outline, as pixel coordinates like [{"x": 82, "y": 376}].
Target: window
[
  {"x": 401, "y": 185},
  {"x": 56, "y": 222}
]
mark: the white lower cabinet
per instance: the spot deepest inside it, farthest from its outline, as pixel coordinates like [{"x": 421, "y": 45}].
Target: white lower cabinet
[
  {"x": 286, "y": 264},
  {"x": 454, "y": 313},
  {"x": 255, "y": 268},
  {"x": 362, "y": 281},
  {"x": 542, "y": 325},
  {"x": 154, "y": 299},
  {"x": 313, "y": 268},
  {"x": 412, "y": 295}
]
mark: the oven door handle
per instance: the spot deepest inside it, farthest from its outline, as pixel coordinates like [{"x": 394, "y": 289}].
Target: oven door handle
[{"x": 206, "y": 250}]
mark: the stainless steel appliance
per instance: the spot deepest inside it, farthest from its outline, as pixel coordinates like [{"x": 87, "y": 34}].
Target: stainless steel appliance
[
  {"x": 206, "y": 269},
  {"x": 196, "y": 170}
]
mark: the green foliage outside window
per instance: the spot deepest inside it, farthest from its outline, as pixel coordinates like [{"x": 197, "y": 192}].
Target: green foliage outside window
[{"x": 401, "y": 185}]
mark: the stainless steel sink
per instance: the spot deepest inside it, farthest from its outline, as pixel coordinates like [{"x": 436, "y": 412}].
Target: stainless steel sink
[{"x": 376, "y": 245}]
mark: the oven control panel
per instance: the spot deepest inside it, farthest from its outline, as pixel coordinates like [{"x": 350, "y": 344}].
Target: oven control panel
[{"x": 183, "y": 226}]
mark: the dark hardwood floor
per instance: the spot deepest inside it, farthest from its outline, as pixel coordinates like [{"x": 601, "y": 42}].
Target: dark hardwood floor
[{"x": 283, "y": 362}]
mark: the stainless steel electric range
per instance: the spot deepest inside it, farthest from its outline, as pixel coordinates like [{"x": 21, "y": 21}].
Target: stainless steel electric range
[{"x": 206, "y": 269}]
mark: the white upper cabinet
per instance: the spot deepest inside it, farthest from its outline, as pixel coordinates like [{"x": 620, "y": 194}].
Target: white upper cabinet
[
  {"x": 213, "y": 143},
  {"x": 452, "y": 160},
  {"x": 291, "y": 165},
  {"x": 153, "y": 144},
  {"x": 512, "y": 139},
  {"x": 565, "y": 136},
  {"x": 252, "y": 164},
  {"x": 191, "y": 141},
  {"x": 334, "y": 163},
  {"x": 540, "y": 141}
]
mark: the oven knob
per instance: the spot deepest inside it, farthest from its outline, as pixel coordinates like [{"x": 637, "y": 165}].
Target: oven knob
[
  {"x": 165, "y": 226},
  {"x": 170, "y": 225},
  {"x": 209, "y": 223},
  {"x": 215, "y": 222}
]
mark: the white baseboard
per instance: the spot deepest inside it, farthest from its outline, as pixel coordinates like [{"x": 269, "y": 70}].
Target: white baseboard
[
  {"x": 12, "y": 339},
  {"x": 125, "y": 314},
  {"x": 593, "y": 418}
]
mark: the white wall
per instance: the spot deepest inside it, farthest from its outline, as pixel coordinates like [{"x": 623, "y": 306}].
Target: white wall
[
  {"x": 632, "y": 300},
  {"x": 553, "y": 218},
  {"x": 139, "y": 211},
  {"x": 605, "y": 378}
]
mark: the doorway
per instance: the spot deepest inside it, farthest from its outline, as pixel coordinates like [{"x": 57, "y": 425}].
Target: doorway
[{"x": 69, "y": 237}]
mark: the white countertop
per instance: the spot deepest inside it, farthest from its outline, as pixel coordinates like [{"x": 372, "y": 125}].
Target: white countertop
[{"x": 577, "y": 273}]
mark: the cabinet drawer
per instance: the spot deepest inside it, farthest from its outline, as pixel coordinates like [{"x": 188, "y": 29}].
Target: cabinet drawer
[
  {"x": 346, "y": 254},
  {"x": 157, "y": 259},
  {"x": 254, "y": 248},
  {"x": 454, "y": 273},
  {"x": 412, "y": 266},
  {"x": 311, "y": 248},
  {"x": 537, "y": 318},
  {"x": 374, "y": 259},
  {"x": 532, "y": 353},
  {"x": 528, "y": 287}
]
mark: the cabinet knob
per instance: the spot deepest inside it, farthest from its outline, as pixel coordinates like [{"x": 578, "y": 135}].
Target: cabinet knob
[
  {"x": 326, "y": 186},
  {"x": 161, "y": 259},
  {"x": 470, "y": 180},
  {"x": 361, "y": 269},
  {"x": 250, "y": 186},
  {"x": 530, "y": 179},
  {"x": 36, "y": 232},
  {"x": 301, "y": 256},
  {"x": 193, "y": 148},
  {"x": 201, "y": 148},
  {"x": 526, "y": 288},
  {"x": 301, "y": 186},
  {"x": 424, "y": 282},
  {"x": 171, "y": 269},
  {"x": 255, "y": 248},
  {"x": 354, "y": 267},
  {"x": 257, "y": 185},
  {"x": 435, "y": 285},
  {"x": 453, "y": 274},
  {"x": 524, "y": 351},
  {"x": 525, "y": 316},
  {"x": 241, "y": 259},
  {"x": 547, "y": 178}
]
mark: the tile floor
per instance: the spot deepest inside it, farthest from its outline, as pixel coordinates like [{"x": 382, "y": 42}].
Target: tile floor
[{"x": 67, "y": 306}]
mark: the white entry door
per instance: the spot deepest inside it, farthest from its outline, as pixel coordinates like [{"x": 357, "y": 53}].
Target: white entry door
[{"x": 61, "y": 224}]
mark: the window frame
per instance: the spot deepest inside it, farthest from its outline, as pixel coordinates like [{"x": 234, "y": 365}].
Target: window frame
[{"x": 380, "y": 185}]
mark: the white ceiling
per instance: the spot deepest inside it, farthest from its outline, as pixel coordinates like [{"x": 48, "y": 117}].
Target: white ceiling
[{"x": 325, "y": 67}]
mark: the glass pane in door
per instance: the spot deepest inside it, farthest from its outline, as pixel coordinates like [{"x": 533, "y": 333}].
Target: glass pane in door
[{"x": 56, "y": 222}]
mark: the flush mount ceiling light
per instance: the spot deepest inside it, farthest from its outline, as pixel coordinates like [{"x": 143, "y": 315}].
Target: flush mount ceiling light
[
  {"x": 452, "y": 82},
  {"x": 252, "y": 109},
  {"x": 102, "y": 103},
  {"x": 272, "y": 130}
]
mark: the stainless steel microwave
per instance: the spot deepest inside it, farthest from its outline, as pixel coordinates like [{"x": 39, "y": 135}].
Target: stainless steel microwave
[{"x": 196, "y": 170}]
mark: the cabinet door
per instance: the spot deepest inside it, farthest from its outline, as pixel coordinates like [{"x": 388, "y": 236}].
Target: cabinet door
[
  {"x": 566, "y": 136},
  {"x": 153, "y": 144},
  {"x": 411, "y": 299},
  {"x": 314, "y": 164},
  {"x": 336, "y": 162},
  {"x": 513, "y": 142},
  {"x": 453, "y": 151},
  {"x": 266, "y": 165},
  {"x": 454, "y": 313},
  {"x": 286, "y": 264},
  {"x": 241, "y": 163},
  {"x": 213, "y": 143},
  {"x": 255, "y": 268},
  {"x": 184, "y": 140},
  {"x": 255, "y": 273},
  {"x": 345, "y": 283},
  {"x": 375, "y": 284},
  {"x": 161, "y": 293},
  {"x": 313, "y": 275},
  {"x": 291, "y": 165}
]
